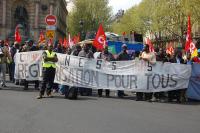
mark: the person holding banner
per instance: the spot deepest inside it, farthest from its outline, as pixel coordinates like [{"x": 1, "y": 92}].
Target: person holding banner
[
  {"x": 151, "y": 58},
  {"x": 86, "y": 53},
  {"x": 29, "y": 46},
  {"x": 107, "y": 56},
  {"x": 49, "y": 69},
  {"x": 123, "y": 56},
  {"x": 139, "y": 95}
]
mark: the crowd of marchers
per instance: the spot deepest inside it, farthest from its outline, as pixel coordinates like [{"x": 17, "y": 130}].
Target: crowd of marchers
[{"x": 7, "y": 65}]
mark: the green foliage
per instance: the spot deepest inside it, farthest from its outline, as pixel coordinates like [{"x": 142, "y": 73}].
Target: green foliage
[
  {"x": 164, "y": 17},
  {"x": 92, "y": 13}
]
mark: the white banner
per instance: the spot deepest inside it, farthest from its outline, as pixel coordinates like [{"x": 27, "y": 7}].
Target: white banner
[
  {"x": 28, "y": 65},
  {"x": 137, "y": 76}
]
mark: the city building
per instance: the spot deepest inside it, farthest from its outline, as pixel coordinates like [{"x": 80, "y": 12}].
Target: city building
[{"x": 29, "y": 16}]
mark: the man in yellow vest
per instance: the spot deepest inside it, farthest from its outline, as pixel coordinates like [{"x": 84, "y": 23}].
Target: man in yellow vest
[{"x": 49, "y": 69}]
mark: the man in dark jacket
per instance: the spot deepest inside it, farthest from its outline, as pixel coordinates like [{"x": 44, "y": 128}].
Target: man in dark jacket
[
  {"x": 123, "y": 56},
  {"x": 31, "y": 47}
]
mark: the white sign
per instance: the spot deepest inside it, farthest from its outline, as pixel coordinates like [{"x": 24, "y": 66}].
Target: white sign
[
  {"x": 137, "y": 76},
  {"x": 28, "y": 65},
  {"x": 49, "y": 27}
]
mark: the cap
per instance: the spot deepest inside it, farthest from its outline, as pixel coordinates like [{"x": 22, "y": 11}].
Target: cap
[{"x": 124, "y": 45}]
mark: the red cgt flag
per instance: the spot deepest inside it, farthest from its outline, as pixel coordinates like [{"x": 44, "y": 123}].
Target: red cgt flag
[
  {"x": 17, "y": 35},
  {"x": 148, "y": 42},
  {"x": 76, "y": 39},
  {"x": 60, "y": 41},
  {"x": 65, "y": 43},
  {"x": 100, "y": 39},
  {"x": 188, "y": 37},
  {"x": 170, "y": 49}
]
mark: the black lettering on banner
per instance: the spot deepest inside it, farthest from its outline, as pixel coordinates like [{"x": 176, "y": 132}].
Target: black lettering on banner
[
  {"x": 80, "y": 62},
  {"x": 34, "y": 70},
  {"x": 86, "y": 77},
  {"x": 125, "y": 81},
  {"x": 148, "y": 79},
  {"x": 109, "y": 78},
  {"x": 21, "y": 72},
  {"x": 118, "y": 81},
  {"x": 95, "y": 77},
  {"x": 21, "y": 57},
  {"x": 67, "y": 60},
  {"x": 26, "y": 70},
  {"x": 99, "y": 62},
  {"x": 79, "y": 75},
  {"x": 163, "y": 81},
  {"x": 133, "y": 79},
  {"x": 172, "y": 79},
  {"x": 149, "y": 67},
  {"x": 114, "y": 65},
  {"x": 154, "y": 80}
]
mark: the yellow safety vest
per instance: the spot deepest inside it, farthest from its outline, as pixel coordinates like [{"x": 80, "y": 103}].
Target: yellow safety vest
[{"x": 48, "y": 64}]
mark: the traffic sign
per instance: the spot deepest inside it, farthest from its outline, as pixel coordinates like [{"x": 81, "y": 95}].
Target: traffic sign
[
  {"x": 50, "y": 27},
  {"x": 50, "y": 34},
  {"x": 50, "y": 20}
]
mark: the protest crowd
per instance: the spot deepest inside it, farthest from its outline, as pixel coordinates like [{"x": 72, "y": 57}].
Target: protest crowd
[
  {"x": 7, "y": 64},
  {"x": 96, "y": 52}
]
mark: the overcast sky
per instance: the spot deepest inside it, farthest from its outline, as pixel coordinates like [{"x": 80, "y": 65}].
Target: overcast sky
[
  {"x": 117, "y": 4},
  {"x": 122, "y": 4}
]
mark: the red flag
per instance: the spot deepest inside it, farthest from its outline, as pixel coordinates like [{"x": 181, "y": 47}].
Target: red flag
[
  {"x": 100, "y": 39},
  {"x": 41, "y": 38},
  {"x": 65, "y": 43},
  {"x": 148, "y": 42},
  {"x": 76, "y": 39},
  {"x": 188, "y": 37},
  {"x": 17, "y": 35},
  {"x": 170, "y": 49},
  {"x": 50, "y": 43},
  {"x": 124, "y": 33},
  {"x": 60, "y": 41}
]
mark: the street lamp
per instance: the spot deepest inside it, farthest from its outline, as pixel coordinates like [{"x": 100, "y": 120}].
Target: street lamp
[{"x": 81, "y": 22}]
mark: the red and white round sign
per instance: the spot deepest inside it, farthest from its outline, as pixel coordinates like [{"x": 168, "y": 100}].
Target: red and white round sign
[{"x": 50, "y": 20}]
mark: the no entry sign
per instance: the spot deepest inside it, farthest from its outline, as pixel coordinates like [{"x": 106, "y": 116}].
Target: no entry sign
[{"x": 50, "y": 20}]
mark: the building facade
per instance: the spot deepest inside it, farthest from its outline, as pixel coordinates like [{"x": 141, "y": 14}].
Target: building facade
[{"x": 29, "y": 16}]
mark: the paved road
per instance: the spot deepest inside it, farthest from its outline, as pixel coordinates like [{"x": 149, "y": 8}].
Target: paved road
[{"x": 21, "y": 112}]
